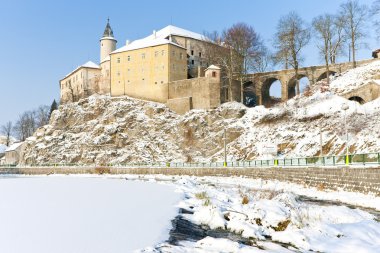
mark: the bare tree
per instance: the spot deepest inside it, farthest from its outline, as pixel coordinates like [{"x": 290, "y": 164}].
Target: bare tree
[
  {"x": 42, "y": 115},
  {"x": 213, "y": 47},
  {"x": 245, "y": 44},
  {"x": 354, "y": 16},
  {"x": 6, "y": 129},
  {"x": 338, "y": 38},
  {"x": 291, "y": 37},
  {"x": 263, "y": 61},
  {"x": 329, "y": 36},
  {"x": 216, "y": 52}
]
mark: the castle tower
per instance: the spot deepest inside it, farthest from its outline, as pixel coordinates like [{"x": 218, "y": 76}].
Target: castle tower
[{"x": 107, "y": 42}]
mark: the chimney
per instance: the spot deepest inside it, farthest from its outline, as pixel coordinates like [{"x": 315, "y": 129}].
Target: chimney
[
  {"x": 154, "y": 34},
  {"x": 127, "y": 42}
]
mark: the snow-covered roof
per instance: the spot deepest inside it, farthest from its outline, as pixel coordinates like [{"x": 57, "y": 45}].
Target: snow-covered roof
[
  {"x": 108, "y": 58},
  {"x": 13, "y": 147},
  {"x": 173, "y": 30},
  {"x": 89, "y": 64},
  {"x": 213, "y": 67},
  {"x": 160, "y": 37},
  {"x": 143, "y": 43}
]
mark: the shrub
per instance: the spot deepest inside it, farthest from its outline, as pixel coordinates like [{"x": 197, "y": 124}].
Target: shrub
[{"x": 245, "y": 200}]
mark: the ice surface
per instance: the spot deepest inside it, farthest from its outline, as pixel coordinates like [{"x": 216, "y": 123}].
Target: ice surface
[{"x": 66, "y": 214}]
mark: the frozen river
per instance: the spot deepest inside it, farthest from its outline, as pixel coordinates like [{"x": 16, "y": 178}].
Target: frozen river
[{"x": 79, "y": 214}]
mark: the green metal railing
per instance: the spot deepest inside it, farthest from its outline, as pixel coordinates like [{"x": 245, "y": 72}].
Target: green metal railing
[{"x": 339, "y": 160}]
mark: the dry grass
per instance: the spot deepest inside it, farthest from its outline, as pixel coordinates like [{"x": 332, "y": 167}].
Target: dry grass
[
  {"x": 201, "y": 195},
  {"x": 102, "y": 170},
  {"x": 245, "y": 200},
  {"x": 321, "y": 187},
  {"x": 282, "y": 225}
]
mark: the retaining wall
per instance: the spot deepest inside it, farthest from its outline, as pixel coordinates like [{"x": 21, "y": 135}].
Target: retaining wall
[{"x": 365, "y": 180}]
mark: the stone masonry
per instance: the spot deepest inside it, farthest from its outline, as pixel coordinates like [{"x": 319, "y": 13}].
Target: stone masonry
[{"x": 363, "y": 179}]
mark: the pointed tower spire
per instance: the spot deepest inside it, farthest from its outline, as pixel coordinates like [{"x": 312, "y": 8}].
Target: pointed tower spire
[
  {"x": 107, "y": 42},
  {"x": 108, "y": 30}
]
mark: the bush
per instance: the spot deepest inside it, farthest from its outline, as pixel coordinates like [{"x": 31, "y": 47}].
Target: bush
[{"x": 245, "y": 200}]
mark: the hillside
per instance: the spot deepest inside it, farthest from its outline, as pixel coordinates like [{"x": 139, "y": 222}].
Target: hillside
[{"x": 103, "y": 130}]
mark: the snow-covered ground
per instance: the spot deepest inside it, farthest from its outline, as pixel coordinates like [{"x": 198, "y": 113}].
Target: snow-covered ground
[
  {"x": 270, "y": 213},
  {"x": 75, "y": 214}
]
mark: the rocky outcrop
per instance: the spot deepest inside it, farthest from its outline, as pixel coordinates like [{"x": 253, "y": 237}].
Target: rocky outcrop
[{"x": 103, "y": 130}]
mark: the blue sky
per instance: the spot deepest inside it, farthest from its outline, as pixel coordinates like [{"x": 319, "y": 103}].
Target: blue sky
[{"x": 42, "y": 41}]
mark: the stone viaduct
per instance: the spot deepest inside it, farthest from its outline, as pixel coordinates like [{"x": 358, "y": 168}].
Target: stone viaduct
[{"x": 260, "y": 83}]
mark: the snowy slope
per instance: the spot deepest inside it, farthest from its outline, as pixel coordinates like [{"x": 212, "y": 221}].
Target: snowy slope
[
  {"x": 103, "y": 130},
  {"x": 357, "y": 77}
]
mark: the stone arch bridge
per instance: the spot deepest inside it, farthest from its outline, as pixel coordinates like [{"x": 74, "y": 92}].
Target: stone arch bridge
[{"x": 260, "y": 83}]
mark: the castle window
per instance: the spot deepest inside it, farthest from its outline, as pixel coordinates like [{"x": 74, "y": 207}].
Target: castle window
[
  {"x": 163, "y": 52},
  {"x": 192, "y": 62},
  {"x": 118, "y": 60},
  {"x": 162, "y": 81},
  {"x": 118, "y": 73},
  {"x": 155, "y": 82},
  {"x": 200, "y": 54},
  {"x": 192, "y": 52},
  {"x": 129, "y": 57},
  {"x": 213, "y": 74}
]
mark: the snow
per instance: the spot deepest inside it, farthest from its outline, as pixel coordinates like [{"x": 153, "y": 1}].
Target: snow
[
  {"x": 90, "y": 64},
  {"x": 311, "y": 227},
  {"x": 356, "y": 77},
  {"x": 108, "y": 58},
  {"x": 81, "y": 214},
  {"x": 14, "y": 146},
  {"x": 143, "y": 43},
  {"x": 160, "y": 37},
  {"x": 173, "y": 30},
  {"x": 213, "y": 67}
]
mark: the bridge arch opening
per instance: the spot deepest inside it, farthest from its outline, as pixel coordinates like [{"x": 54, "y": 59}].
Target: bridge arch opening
[
  {"x": 303, "y": 82},
  {"x": 249, "y": 94},
  {"x": 357, "y": 99},
  {"x": 324, "y": 75},
  {"x": 271, "y": 92}
]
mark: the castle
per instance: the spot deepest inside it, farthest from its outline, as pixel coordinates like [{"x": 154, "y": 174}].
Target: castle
[{"x": 169, "y": 66}]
